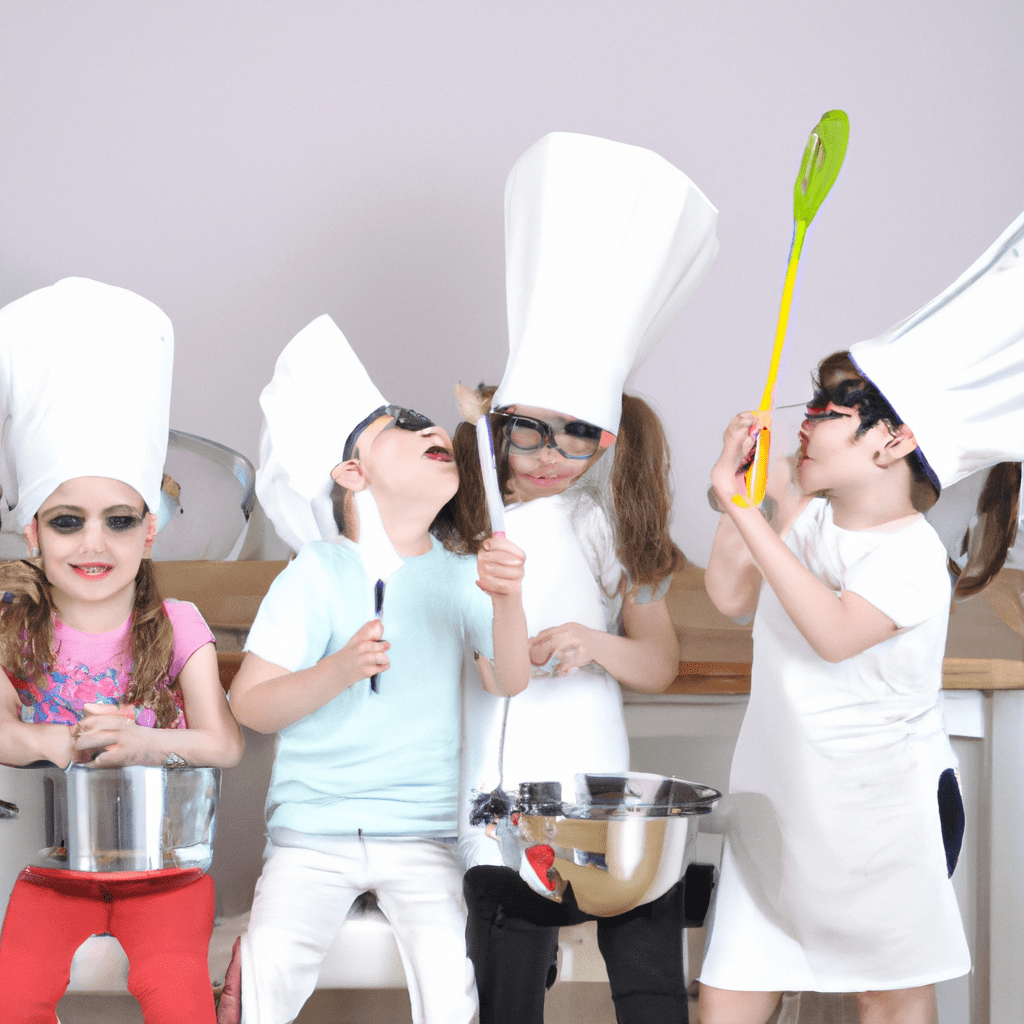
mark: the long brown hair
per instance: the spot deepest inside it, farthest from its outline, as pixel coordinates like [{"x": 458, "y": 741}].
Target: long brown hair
[
  {"x": 640, "y": 488},
  {"x": 27, "y": 635},
  {"x": 987, "y": 544}
]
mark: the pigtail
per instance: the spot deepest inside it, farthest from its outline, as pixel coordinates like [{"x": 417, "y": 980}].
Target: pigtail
[
  {"x": 642, "y": 496},
  {"x": 470, "y": 520},
  {"x": 26, "y": 636},
  {"x": 151, "y": 641},
  {"x": 988, "y": 543}
]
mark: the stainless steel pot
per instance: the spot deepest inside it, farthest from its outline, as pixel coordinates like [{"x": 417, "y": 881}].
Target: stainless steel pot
[
  {"x": 626, "y": 841},
  {"x": 128, "y": 819}
]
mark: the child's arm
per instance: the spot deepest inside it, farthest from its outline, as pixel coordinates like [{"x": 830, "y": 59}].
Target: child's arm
[
  {"x": 836, "y": 627},
  {"x": 732, "y": 578},
  {"x": 23, "y": 743},
  {"x": 500, "y": 569},
  {"x": 212, "y": 738},
  {"x": 267, "y": 697},
  {"x": 645, "y": 659}
]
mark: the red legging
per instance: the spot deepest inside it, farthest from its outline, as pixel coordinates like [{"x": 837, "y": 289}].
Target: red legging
[{"x": 162, "y": 920}]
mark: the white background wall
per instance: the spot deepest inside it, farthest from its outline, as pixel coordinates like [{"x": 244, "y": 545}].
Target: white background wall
[{"x": 249, "y": 165}]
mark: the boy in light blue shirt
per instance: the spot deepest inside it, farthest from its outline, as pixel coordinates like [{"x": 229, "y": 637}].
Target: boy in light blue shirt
[{"x": 364, "y": 691}]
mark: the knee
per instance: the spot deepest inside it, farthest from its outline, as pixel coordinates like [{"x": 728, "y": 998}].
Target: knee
[
  {"x": 172, "y": 986},
  {"x": 910, "y": 1004},
  {"x": 726, "y": 1006}
]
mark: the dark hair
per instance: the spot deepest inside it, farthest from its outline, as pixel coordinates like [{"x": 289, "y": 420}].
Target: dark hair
[
  {"x": 837, "y": 379},
  {"x": 27, "y": 635},
  {"x": 986, "y": 545},
  {"x": 640, "y": 488}
]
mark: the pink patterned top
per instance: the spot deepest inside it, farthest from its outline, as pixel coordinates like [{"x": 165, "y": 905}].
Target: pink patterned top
[{"x": 91, "y": 668}]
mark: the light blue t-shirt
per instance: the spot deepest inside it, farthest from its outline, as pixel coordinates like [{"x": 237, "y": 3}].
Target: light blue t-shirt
[{"x": 383, "y": 763}]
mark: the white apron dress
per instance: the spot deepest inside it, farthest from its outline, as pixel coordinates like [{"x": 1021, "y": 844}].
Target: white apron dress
[
  {"x": 834, "y": 873},
  {"x": 559, "y": 725}
]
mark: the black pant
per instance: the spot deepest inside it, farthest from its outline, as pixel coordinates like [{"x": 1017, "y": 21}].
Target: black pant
[{"x": 512, "y": 939}]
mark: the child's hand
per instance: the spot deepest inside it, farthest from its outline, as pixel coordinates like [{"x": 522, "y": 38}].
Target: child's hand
[
  {"x": 569, "y": 643},
  {"x": 500, "y": 567},
  {"x": 363, "y": 655},
  {"x": 737, "y": 451},
  {"x": 107, "y": 737}
]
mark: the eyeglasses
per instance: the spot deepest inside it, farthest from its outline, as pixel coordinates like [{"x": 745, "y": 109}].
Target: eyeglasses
[
  {"x": 826, "y": 411},
  {"x": 404, "y": 419},
  {"x": 574, "y": 439}
]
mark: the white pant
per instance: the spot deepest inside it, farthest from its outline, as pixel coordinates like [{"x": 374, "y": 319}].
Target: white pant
[{"x": 301, "y": 901}]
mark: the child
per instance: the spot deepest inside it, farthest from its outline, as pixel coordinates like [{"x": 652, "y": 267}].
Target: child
[
  {"x": 98, "y": 669},
  {"x": 638, "y": 238},
  {"x": 365, "y": 780},
  {"x": 842, "y": 754}
]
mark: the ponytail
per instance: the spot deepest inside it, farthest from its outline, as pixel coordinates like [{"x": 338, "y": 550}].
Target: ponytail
[
  {"x": 471, "y": 523},
  {"x": 151, "y": 648},
  {"x": 987, "y": 544},
  {"x": 26, "y": 627},
  {"x": 642, "y": 496}
]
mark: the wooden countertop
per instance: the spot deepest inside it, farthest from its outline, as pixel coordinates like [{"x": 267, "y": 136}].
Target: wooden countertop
[{"x": 984, "y": 649}]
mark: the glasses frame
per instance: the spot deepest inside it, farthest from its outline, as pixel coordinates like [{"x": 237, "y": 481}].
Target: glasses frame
[
  {"x": 596, "y": 434},
  {"x": 404, "y": 419}
]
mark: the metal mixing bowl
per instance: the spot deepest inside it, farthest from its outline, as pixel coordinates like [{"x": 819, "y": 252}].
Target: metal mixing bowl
[
  {"x": 128, "y": 819},
  {"x": 626, "y": 841}
]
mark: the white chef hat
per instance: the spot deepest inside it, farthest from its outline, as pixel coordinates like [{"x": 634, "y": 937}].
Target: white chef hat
[
  {"x": 604, "y": 243},
  {"x": 954, "y": 371},
  {"x": 85, "y": 390},
  {"x": 319, "y": 393}
]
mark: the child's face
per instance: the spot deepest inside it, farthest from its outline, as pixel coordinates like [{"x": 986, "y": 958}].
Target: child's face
[
  {"x": 545, "y": 471},
  {"x": 92, "y": 534},
  {"x": 413, "y": 465},
  {"x": 831, "y": 455}
]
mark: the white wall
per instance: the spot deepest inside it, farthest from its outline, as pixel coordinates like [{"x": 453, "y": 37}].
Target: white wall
[{"x": 249, "y": 165}]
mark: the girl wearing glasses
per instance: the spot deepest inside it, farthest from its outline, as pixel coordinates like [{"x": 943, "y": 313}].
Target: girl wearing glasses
[
  {"x": 599, "y": 618},
  {"x": 584, "y": 470}
]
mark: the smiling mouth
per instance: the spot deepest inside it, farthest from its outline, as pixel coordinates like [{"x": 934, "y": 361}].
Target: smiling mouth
[
  {"x": 92, "y": 571},
  {"x": 438, "y": 454}
]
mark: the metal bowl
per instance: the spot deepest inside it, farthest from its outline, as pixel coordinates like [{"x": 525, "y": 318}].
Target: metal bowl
[
  {"x": 128, "y": 819},
  {"x": 626, "y": 841}
]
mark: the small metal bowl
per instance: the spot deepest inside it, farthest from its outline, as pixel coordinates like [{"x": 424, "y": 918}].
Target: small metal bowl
[
  {"x": 129, "y": 819},
  {"x": 626, "y": 841}
]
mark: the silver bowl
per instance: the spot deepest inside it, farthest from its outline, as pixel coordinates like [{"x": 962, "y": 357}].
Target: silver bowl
[
  {"x": 626, "y": 841},
  {"x": 129, "y": 819}
]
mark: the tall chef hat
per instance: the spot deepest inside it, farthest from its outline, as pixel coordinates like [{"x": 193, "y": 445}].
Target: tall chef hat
[
  {"x": 954, "y": 371},
  {"x": 85, "y": 390},
  {"x": 319, "y": 393},
  {"x": 604, "y": 243}
]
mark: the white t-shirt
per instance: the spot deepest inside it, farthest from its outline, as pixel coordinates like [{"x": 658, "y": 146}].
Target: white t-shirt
[
  {"x": 560, "y": 725},
  {"x": 834, "y": 873}
]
